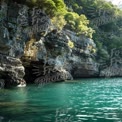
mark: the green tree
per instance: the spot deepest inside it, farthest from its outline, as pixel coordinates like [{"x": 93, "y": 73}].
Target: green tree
[
  {"x": 51, "y": 7},
  {"x": 79, "y": 24}
]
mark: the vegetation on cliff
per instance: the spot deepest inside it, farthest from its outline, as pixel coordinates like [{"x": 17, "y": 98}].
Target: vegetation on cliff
[{"x": 96, "y": 19}]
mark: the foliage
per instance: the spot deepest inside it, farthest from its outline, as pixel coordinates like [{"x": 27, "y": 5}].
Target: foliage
[
  {"x": 79, "y": 24},
  {"x": 108, "y": 35},
  {"x": 57, "y": 10},
  {"x": 52, "y": 7},
  {"x": 70, "y": 44},
  {"x": 93, "y": 50},
  {"x": 59, "y": 24},
  {"x": 78, "y": 15}
]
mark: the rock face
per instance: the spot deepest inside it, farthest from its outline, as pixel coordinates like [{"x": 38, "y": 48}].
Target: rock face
[
  {"x": 46, "y": 54},
  {"x": 51, "y": 60},
  {"x": 112, "y": 71},
  {"x": 63, "y": 54},
  {"x": 15, "y": 32},
  {"x": 82, "y": 58},
  {"x": 85, "y": 68},
  {"x": 11, "y": 68},
  {"x": 11, "y": 71}
]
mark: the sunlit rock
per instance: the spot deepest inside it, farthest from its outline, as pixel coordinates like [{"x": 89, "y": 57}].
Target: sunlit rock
[{"x": 11, "y": 70}]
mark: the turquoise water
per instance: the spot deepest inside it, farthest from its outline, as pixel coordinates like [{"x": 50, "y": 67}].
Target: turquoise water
[{"x": 87, "y": 100}]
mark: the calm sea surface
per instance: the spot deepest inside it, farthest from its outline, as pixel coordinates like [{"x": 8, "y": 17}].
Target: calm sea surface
[{"x": 84, "y": 100}]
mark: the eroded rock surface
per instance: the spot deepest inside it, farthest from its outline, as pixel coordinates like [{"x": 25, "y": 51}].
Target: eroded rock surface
[
  {"x": 11, "y": 70},
  {"x": 45, "y": 52}
]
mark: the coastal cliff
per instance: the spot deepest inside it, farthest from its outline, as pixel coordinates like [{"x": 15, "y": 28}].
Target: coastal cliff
[{"x": 31, "y": 47}]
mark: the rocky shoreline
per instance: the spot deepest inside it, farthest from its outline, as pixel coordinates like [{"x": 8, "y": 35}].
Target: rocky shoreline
[{"x": 27, "y": 54}]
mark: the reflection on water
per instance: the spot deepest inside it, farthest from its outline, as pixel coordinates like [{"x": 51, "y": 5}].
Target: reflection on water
[{"x": 86, "y": 100}]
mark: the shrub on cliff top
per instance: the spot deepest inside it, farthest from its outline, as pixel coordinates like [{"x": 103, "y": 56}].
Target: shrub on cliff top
[{"x": 52, "y": 7}]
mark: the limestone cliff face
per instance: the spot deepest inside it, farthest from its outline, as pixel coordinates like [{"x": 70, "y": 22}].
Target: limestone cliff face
[
  {"x": 28, "y": 40},
  {"x": 59, "y": 53},
  {"x": 11, "y": 71},
  {"x": 11, "y": 68},
  {"x": 19, "y": 29},
  {"x": 83, "y": 56}
]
